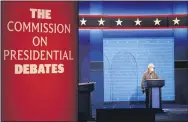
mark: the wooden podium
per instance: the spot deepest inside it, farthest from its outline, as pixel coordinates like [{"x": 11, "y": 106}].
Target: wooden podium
[
  {"x": 84, "y": 101},
  {"x": 154, "y": 92}
]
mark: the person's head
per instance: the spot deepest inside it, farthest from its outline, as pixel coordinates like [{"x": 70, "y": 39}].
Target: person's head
[{"x": 151, "y": 67}]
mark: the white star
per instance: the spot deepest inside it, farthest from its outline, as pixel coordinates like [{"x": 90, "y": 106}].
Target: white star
[
  {"x": 83, "y": 22},
  {"x": 101, "y": 22},
  {"x": 176, "y": 21},
  {"x": 157, "y": 22},
  {"x": 138, "y": 21},
  {"x": 119, "y": 22}
]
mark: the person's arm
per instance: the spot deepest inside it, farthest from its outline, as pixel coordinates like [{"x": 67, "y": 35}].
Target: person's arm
[{"x": 142, "y": 83}]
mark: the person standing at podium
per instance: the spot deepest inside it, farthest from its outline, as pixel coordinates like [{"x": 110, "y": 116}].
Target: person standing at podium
[{"x": 149, "y": 74}]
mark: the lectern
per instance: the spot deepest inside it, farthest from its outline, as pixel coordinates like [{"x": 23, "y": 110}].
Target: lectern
[
  {"x": 84, "y": 100},
  {"x": 154, "y": 92}
]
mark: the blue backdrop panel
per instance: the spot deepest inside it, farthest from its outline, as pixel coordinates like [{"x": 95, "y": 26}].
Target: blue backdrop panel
[
  {"x": 84, "y": 57},
  {"x": 127, "y": 60},
  {"x": 137, "y": 8}
]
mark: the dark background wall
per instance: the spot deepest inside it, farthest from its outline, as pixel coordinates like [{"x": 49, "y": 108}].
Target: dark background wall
[{"x": 91, "y": 47}]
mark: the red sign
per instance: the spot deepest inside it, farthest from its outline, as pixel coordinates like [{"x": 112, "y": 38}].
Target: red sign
[{"x": 39, "y": 61}]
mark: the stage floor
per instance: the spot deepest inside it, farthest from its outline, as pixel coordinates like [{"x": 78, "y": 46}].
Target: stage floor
[
  {"x": 172, "y": 116},
  {"x": 172, "y": 112}
]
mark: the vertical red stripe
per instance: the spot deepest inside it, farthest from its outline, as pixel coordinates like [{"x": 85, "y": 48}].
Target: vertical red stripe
[{"x": 39, "y": 97}]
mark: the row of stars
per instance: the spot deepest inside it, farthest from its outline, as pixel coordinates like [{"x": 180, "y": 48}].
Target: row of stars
[{"x": 137, "y": 22}]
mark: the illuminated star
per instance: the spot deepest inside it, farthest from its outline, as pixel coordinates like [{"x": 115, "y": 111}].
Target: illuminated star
[
  {"x": 157, "y": 22},
  {"x": 83, "y": 22},
  {"x": 176, "y": 21},
  {"x": 101, "y": 22},
  {"x": 138, "y": 21},
  {"x": 119, "y": 22}
]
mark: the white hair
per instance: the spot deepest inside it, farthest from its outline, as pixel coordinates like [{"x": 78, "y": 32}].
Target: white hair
[{"x": 151, "y": 65}]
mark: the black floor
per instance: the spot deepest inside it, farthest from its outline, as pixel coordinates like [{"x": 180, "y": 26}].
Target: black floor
[
  {"x": 173, "y": 116},
  {"x": 172, "y": 112},
  {"x": 169, "y": 117}
]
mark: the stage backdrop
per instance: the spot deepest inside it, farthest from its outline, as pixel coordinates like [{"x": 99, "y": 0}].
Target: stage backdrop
[
  {"x": 39, "y": 61},
  {"x": 106, "y": 47}
]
